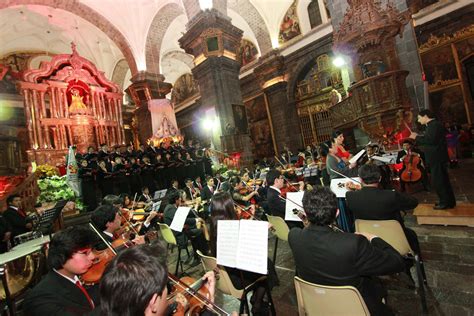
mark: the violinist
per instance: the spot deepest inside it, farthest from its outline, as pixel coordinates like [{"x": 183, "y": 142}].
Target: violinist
[
  {"x": 208, "y": 190},
  {"x": 241, "y": 193},
  {"x": 145, "y": 197},
  {"x": 141, "y": 273},
  {"x": 403, "y": 157},
  {"x": 60, "y": 292},
  {"x": 191, "y": 191},
  {"x": 222, "y": 208},
  {"x": 195, "y": 234},
  {"x": 276, "y": 203},
  {"x": 107, "y": 220}
]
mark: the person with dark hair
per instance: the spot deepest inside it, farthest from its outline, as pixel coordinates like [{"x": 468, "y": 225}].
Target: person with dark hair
[
  {"x": 208, "y": 190},
  {"x": 336, "y": 165},
  {"x": 275, "y": 202},
  {"x": 60, "y": 292},
  {"x": 434, "y": 144},
  {"x": 88, "y": 185},
  {"x": 324, "y": 256},
  {"x": 191, "y": 191},
  {"x": 403, "y": 157},
  {"x": 191, "y": 231},
  {"x": 337, "y": 137},
  {"x": 222, "y": 208},
  {"x": 241, "y": 193},
  {"x": 113, "y": 200},
  {"x": 106, "y": 219},
  {"x": 16, "y": 216},
  {"x": 374, "y": 203},
  {"x": 141, "y": 273}
]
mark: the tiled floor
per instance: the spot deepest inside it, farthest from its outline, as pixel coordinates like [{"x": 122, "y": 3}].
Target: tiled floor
[{"x": 448, "y": 254}]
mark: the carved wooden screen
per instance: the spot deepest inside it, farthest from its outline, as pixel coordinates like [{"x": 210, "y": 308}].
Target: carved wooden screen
[
  {"x": 322, "y": 122},
  {"x": 315, "y": 124},
  {"x": 306, "y": 129}
]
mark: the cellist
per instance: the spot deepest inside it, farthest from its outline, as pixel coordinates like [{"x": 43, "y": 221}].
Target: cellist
[{"x": 402, "y": 156}]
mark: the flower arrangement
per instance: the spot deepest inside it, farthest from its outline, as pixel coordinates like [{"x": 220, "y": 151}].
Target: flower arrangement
[
  {"x": 46, "y": 171},
  {"x": 55, "y": 188}
]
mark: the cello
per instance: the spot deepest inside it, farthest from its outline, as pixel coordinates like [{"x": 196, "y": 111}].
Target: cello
[{"x": 411, "y": 173}]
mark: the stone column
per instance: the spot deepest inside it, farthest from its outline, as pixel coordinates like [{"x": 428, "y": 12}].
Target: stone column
[
  {"x": 145, "y": 87},
  {"x": 283, "y": 115},
  {"x": 214, "y": 42}
]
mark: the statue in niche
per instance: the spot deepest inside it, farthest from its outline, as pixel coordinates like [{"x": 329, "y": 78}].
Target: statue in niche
[{"x": 77, "y": 105}]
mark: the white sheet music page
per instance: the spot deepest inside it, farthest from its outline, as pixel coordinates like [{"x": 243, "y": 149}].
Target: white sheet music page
[
  {"x": 357, "y": 156},
  {"x": 293, "y": 201},
  {"x": 227, "y": 242},
  {"x": 338, "y": 186},
  {"x": 179, "y": 218},
  {"x": 252, "y": 250}
]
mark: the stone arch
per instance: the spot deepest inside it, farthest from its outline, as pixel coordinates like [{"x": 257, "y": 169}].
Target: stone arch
[
  {"x": 253, "y": 18},
  {"x": 191, "y": 7},
  {"x": 120, "y": 72},
  {"x": 324, "y": 46},
  {"x": 88, "y": 14},
  {"x": 156, "y": 32}
]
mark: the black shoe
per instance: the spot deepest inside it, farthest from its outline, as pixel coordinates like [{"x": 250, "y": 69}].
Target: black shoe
[{"x": 440, "y": 207}]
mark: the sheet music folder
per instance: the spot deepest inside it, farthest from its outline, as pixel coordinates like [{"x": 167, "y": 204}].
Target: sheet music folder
[{"x": 243, "y": 244}]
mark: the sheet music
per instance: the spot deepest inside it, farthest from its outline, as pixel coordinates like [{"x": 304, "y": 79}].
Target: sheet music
[
  {"x": 227, "y": 242},
  {"x": 252, "y": 249},
  {"x": 357, "y": 156},
  {"x": 179, "y": 218},
  {"x": 156, "y": 206},
  {"x": 160, "y": 194},
  {"x": 295, "y": 197},
  {"x": 384, "y": 159},
  {"x": 338, "y": 186}
]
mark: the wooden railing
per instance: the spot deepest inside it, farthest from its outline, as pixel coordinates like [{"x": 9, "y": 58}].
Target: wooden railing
[
  {"x": 370, "y": 99},
  {"x": 27, "y": 189}
]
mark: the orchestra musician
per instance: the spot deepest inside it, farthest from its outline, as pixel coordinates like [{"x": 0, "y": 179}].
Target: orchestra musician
[
  {"x": 191, "y": 191},
  {"x": 141, "y": 274},
  {"x": 276, "y": 204},
  {"x": 401, "y": 158},
  {"x": 222, "y": 208},
  {"x": 195, "y": 234},
  {"x": 384, "y": 204},
  {"x": 327, "y": 257},
  {"x": 436, "y": 153},
  {"x": 335, "y": 163},
  {"x": 5, "y": 235},
  {"x": 208, "y": 190},
  {"x": 60, "y": 292},
  {"x": 16, "y": 216},
  {"x": 107, "y": 220}
]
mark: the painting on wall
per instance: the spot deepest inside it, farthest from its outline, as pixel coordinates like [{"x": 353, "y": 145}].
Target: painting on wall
[
  {"x": 184, "y": 88},
  {"x": 240, "y": 118},
  {"x": 259, "y": 127},
  {"x": 290, "y": 26},
  {"x": 439, "y": 66},
  {"x": 448, "y": 105},
  {"x": 247, "y": 52}
]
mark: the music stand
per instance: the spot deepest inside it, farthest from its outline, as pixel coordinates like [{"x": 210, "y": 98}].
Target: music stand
[
  {"x": 46, "y": 221},
  {"x": 159, "y": 194}
]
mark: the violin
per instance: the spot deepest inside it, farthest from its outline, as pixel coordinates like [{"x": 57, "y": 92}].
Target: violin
[
  {"x": 196, "y": 294},
  {"x": 411, "y": 173}
]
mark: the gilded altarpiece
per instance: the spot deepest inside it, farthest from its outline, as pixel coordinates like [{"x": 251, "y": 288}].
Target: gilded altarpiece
[
  {"x": 445, "y": 60},
  {"x": 314, "y": 95},
  {"x": 68, "y": 101}
]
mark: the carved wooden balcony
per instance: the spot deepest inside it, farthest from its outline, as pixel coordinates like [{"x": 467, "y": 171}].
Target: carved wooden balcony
[{"x": 375, "y": 104}]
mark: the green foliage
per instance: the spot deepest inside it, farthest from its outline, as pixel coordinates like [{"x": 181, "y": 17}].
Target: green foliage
[{"x": 54, "y": 189}]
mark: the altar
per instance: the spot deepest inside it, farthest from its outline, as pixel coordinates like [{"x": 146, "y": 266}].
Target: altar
[{"x": 68, "y": 101}]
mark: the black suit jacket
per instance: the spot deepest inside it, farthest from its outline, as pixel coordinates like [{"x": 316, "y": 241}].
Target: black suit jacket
[
  {"x": 55, "y": 295},
  {"x": 4, "y": 228},
  {"x": 276, "y": 205},
  {"x": 206, "y": 193},
  {"x": 378, "y": 204},
  {"x": 331, "y": 258},
  {"x": 433, "y": 143},
  {"x": 16, "y": 221}
]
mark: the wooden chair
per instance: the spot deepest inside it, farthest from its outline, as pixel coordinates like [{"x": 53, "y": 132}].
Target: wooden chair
[
  {"x": 281, "y": 231},
  {"x": 169, "y": 237},
  {"x": 392, "y": 232},
  {"x": 321, "y": 300},
  {"x": 224, "y": 284}
]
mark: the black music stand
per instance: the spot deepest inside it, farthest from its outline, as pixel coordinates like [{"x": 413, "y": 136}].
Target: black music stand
[{"x": 46, "y": 221}]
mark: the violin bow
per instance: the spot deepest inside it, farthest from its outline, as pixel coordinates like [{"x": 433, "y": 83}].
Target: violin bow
[
  {"x": 343, "y": 175},
  {"x": 103, "y": 239},
  {"x": 243, "y": 209},
  {"x": 281, "y": 164}
]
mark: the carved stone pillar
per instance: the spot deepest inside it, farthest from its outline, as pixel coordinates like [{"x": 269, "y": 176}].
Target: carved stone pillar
[
  {"x": 283, "y": 115},
  {"x": 144, "y": 88},
  {"x": 214, "y": 42}
]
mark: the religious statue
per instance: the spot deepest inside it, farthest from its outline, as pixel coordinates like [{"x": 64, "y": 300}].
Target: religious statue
[{"x": 77, "y": 105}]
